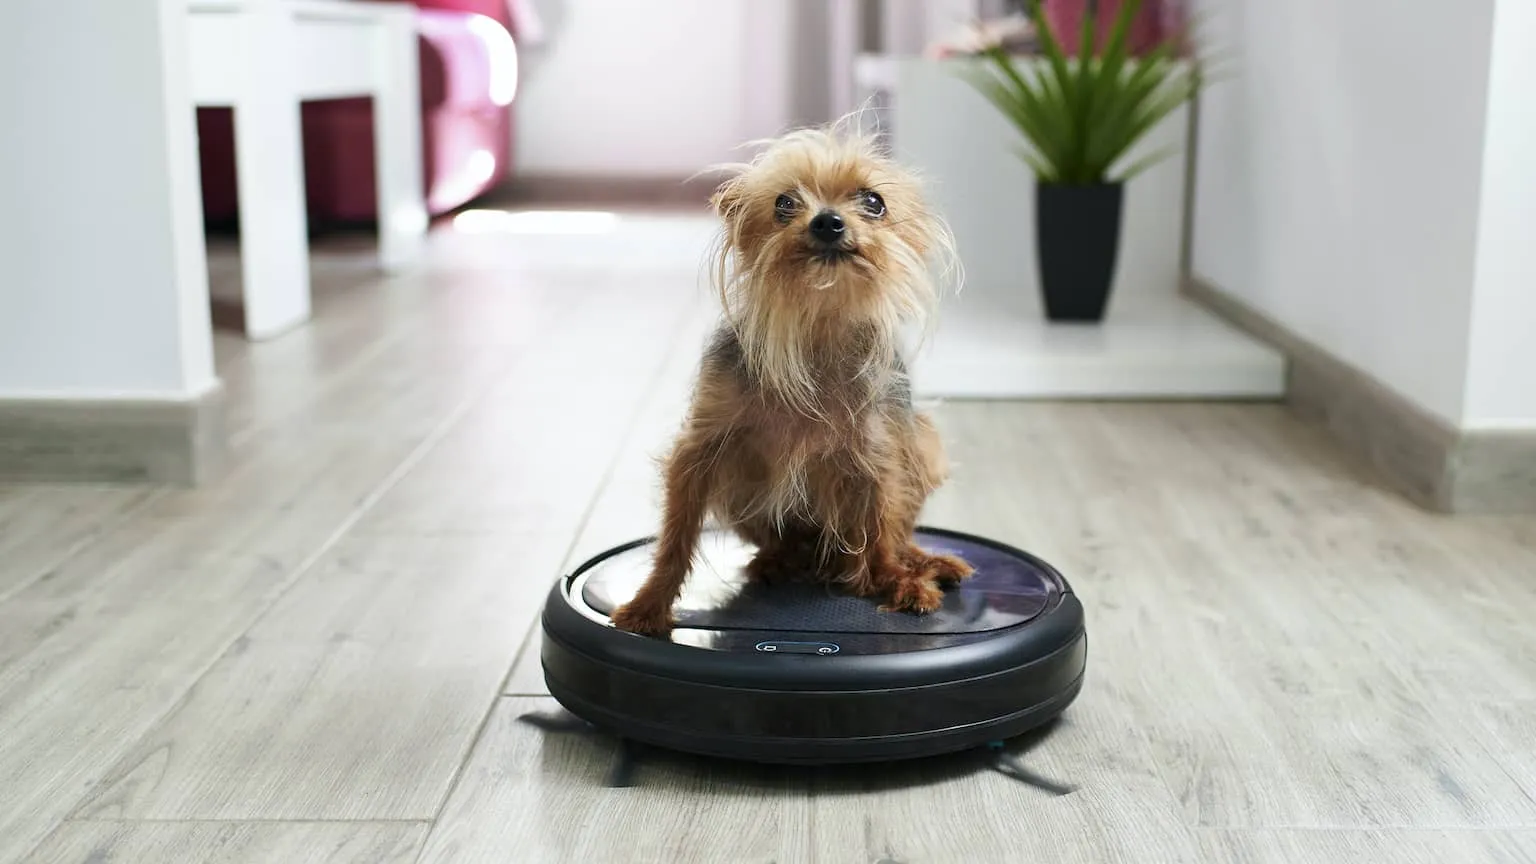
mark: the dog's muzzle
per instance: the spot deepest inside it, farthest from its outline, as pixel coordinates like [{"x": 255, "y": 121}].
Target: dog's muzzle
[{"x": 829, "y": 237}]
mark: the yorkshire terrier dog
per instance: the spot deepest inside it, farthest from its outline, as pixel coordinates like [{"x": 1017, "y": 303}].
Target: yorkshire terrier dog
[{"x": 801, "y": 436}]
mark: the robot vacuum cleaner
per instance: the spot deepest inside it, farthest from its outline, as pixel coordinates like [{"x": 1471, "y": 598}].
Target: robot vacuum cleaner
[{"x": 799, "y": 673}]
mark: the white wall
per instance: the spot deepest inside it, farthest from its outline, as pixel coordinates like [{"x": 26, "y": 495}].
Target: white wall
[
  {"x": 624, "y": 88},
  {"x": 1339, "y": 174},
  {"x": 103, "y": 291},
  {"x": 669, "y": 87},
  {"x": 1501, "y": 378}
]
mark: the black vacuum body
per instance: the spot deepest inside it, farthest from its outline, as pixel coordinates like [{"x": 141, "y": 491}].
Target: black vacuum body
[{"x": 801, "y": 673}]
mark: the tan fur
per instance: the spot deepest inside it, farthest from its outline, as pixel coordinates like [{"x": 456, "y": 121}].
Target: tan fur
[{"x": 801, "y": 436}]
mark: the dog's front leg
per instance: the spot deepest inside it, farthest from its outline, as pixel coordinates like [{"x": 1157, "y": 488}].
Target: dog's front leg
[
  {"x": 881, "y": 507},
  {"x": 685, "y": 501}
]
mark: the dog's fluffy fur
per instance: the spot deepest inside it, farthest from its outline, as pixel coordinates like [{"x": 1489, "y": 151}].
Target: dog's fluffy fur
[{"x": 801, "y": 435}]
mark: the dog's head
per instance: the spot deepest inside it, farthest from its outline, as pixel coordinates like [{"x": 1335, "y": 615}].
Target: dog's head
[
  {"x": 824, "y": 229},
  {"x": 824, "y": 221}
]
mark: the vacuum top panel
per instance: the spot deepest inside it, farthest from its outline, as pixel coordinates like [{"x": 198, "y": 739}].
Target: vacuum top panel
[{"x": 1006, "y": 590}]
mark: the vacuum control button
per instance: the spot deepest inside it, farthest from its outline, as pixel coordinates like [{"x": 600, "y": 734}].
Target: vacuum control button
[{"x": 822, "y": 648}]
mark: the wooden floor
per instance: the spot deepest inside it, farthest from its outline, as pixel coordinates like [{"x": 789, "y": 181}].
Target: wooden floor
[{"x": 325, "y": 656}]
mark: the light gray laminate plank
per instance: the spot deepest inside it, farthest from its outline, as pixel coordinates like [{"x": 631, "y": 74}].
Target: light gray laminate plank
[
  {"x": 1319, "y": 577},
  {"x": 1332, "y": 617},
  {"x": 91, "y": 669},
  {"x": 1328, "y": 762},
  {"x": 1510, "y": 727},
  {"x": 371, "y": 334},
  {"x": 359, "y": 693},
  {"x": 1487, "y": 586},
  {"x": 1398, "y": 846},
  {"x": 355, "y": 697},
  {"x": 1269, "y": 687},
  {"x": 358, "y": 314},
  {"x": 940, "y": 812},
  {"x": 1342, "y": 658},
  {"x": 540, "y": 797},
  {"x": 42, "y": 525},
  {"x": 232, "y": 843},
  {"x": 401, "y": 393},
  {"x": 1443, "y": 601},
  {"x": 575, "y": 399},
  {"x": 263, "y": 381},
  {"x": 1383, "y": 648},
  {"x": 53, "y": 624},
  {"x": 93, "y": 657},
  {"x": 629, "y": 505},
  {"x": 468, "y": 333},
  {"x": 329, "y": 448}
]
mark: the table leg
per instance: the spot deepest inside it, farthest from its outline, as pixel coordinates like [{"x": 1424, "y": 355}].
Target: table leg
[
  {"x": 274, "y": 231},
  {"x": 397, "y": 139}
]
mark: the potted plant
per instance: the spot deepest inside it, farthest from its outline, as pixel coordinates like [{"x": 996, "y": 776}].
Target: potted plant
[{"x": 1079, "y": 118}]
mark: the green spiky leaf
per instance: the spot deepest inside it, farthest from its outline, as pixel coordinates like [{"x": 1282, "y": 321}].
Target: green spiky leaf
[{"x": 1079, "y": 117}]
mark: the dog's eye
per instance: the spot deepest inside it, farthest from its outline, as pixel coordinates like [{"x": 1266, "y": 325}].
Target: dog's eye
[
  {"x": 784, "y": 207},
  {"x": 873, "y": 204}
]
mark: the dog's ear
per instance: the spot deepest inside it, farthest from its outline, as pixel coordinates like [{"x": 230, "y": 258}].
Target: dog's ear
[{"x": 729, "y": 199}]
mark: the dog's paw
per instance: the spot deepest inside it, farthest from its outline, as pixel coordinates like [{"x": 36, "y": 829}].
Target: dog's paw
[
  {"x": 947, "y": 569},
  {"x": 943, "y": 569},
  {"x": 643, "y": 619},
  {"x": 914, "y": 595}
]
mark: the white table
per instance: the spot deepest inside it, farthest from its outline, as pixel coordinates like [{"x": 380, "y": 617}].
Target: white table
[{"x": 262, "y": 58}]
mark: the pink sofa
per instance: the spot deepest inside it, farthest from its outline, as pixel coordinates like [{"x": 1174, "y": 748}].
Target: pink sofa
[{"x": 468, "y": 77}]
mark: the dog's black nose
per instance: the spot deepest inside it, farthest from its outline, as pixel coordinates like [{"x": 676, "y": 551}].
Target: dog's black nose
[{"x": 827, "y": 227}]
